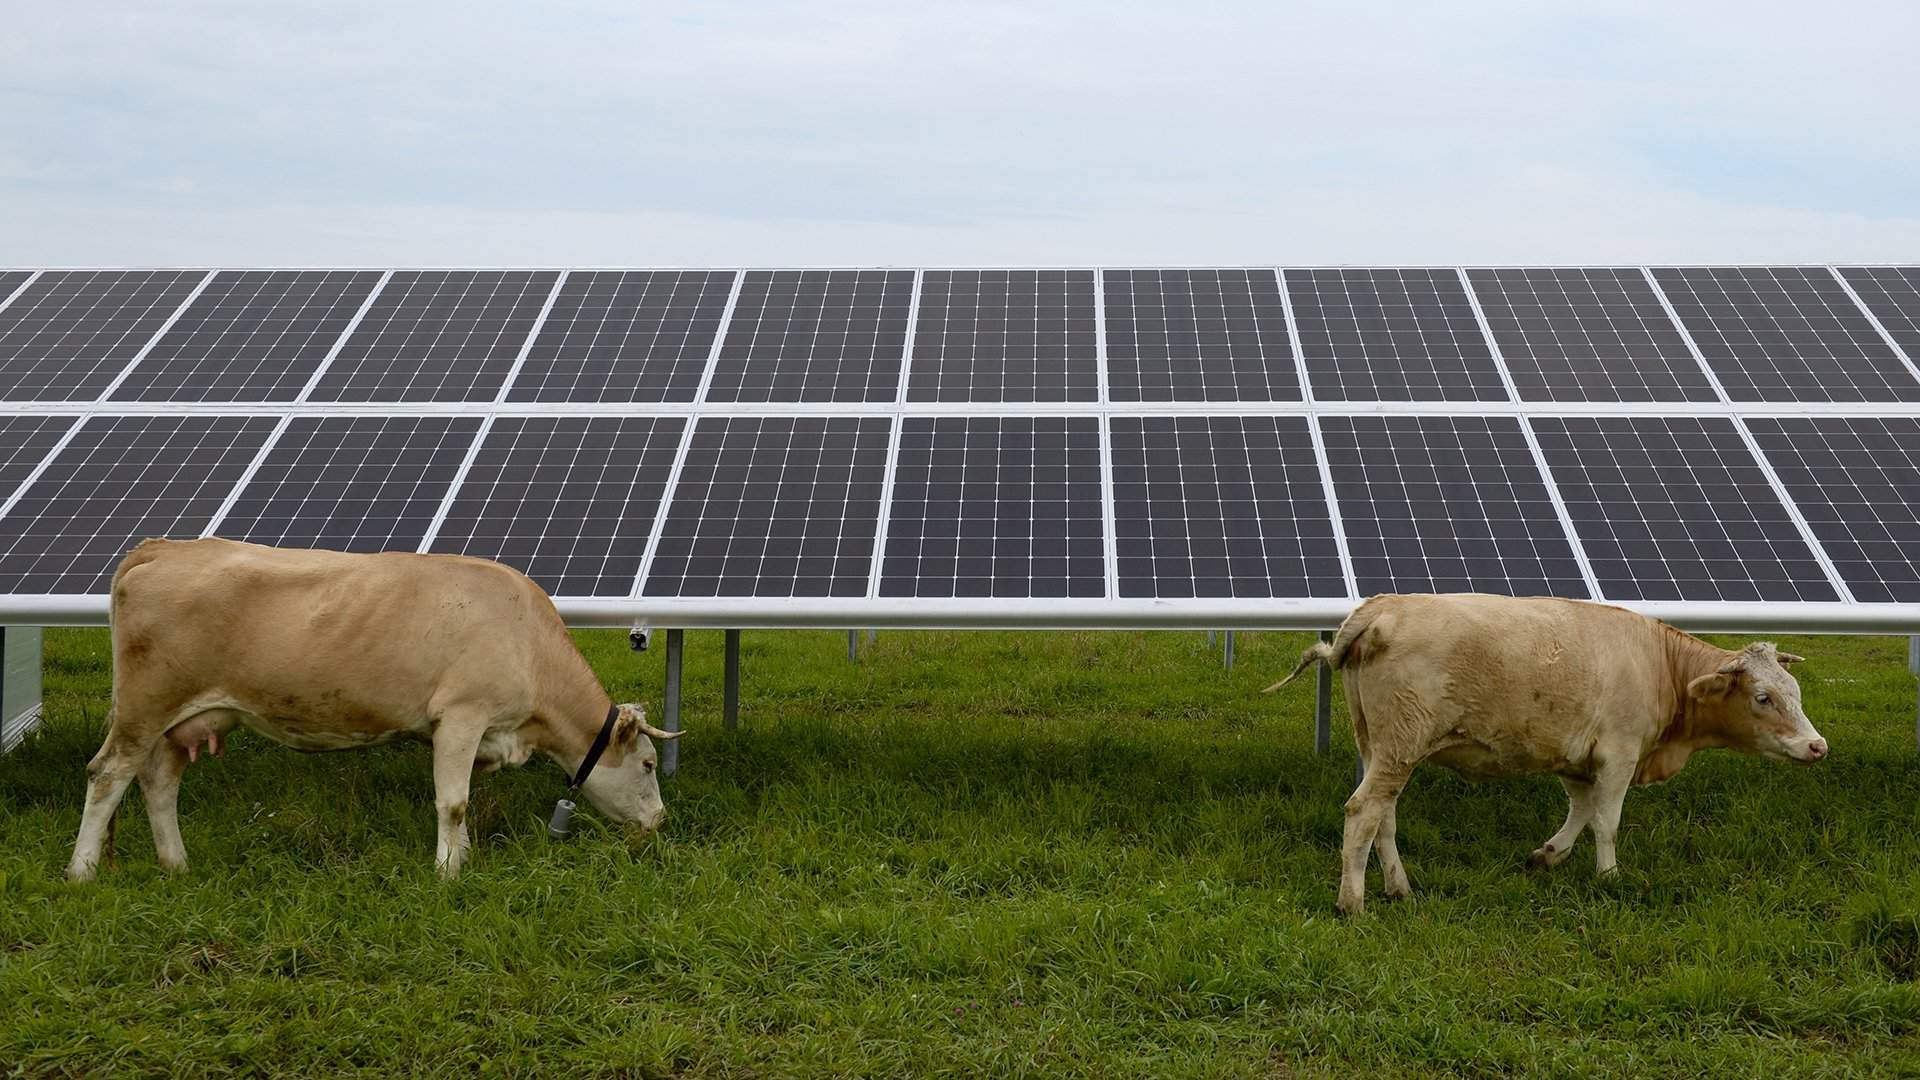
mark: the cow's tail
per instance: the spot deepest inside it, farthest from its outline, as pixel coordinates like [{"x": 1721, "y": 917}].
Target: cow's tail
[{"x": 1333, "y": 653}]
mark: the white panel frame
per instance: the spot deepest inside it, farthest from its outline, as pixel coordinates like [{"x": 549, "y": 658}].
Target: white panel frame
[{"x": 1874, "y": 320}]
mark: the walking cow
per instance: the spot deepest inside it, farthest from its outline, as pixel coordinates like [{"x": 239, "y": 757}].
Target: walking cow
[
  {"x": 322, "y": 650},
  {"x": 1495, "y": 686}
]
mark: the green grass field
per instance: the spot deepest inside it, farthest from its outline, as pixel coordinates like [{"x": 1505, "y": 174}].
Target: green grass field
[{"x": 1027, "y": 854}]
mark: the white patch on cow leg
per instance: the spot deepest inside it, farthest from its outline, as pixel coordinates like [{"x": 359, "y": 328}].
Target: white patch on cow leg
[
  {"x": 108, "y": 776},
  {"x": 455, "y": 742},
  {"x": 1393, "y": 875},
  {"x": 1609, "y": 798},
  {"x": 1579, "y": 814},
  {"x": 160, "y": 786}
]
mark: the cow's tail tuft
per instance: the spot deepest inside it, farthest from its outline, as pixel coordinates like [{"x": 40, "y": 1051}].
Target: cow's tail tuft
[{"x": 1320, "y": 652}]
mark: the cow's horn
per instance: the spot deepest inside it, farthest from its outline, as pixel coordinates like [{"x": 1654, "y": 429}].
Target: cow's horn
[
  {"x": 656, "y": 732},
  {"x": 1738, "y": 663},
  {"x": 1789, "y": 658}
]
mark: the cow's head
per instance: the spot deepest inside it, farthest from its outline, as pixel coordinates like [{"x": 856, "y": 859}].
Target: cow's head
[
  {"x": 625, "y": 785},
  {"x": 1753, "y": 705}
]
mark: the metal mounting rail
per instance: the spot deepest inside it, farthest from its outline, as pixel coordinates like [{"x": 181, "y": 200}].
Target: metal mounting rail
[{"x": 1058, "y": 614}]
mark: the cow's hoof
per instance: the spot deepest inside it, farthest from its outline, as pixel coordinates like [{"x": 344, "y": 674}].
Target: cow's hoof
[
  {"x": 1351, "y": 909},
  {"x": 79, "y": 874},
  {"x": 1397, "y": 892},
  {"x": 1543, "y": 858}
]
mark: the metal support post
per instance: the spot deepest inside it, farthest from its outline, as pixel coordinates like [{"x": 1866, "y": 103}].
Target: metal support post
[
  {"x": 19, "y": 684},
  {"x": 873, "y": 636},
  {"x": 732, "y": 708},
  {"x": 1913, "y": 665},
  {"x": 1210, "y": 639},
  {"x": 1323, "y": 705},
  {"x": 853, "y": 646},
  {"x": 1229, "y": 650},
  {"x": 670, "y": 748}
]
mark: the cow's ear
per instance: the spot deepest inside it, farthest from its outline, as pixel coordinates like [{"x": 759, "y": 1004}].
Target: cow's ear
[
  {"x": 1707, "y": 687},
  {"x": 626, "y": 730}
]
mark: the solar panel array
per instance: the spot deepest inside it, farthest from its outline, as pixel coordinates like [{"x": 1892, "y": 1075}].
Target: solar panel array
[{"x": 1046, "y": 439}]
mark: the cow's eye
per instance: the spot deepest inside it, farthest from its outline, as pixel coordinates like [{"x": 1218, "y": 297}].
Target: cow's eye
[
  {"x": 647, "y": 764},
  {"x": 1761, "y": 698}
]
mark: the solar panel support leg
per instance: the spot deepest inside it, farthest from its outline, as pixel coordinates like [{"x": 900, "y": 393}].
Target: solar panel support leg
[
  {"x": 19, "y": 684},
  {"x": 853, "y": 646},
  {"x": 1210, "y": 639},
  {"x": 1323, "y": 706},
  {"x": 1229, "y": 650},
  {"x": 670, "y": 748},
  {"x": 732, "y": 707},
  {"x": 1913, "y": 665}
]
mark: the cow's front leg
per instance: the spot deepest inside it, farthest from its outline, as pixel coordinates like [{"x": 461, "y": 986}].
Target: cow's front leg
[
  {"x": 1609, "y": 797},
  {"x": 1579, "y": 813},
  {"x": 455, "y": 742}
]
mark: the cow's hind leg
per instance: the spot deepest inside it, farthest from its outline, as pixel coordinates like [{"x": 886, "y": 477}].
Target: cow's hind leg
[
  {"x": 108, "y": 775},
  {"x": 1393, "y": 874},
  {"x": 160, "y": 786},
  {"x": 1371, "y": 803},
  {"x": 1579, "y": 813},
  {"x": 456, "y": 740}
]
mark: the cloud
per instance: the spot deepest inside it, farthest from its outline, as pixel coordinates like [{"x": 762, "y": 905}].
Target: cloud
[{"x": 837, "y": 133}]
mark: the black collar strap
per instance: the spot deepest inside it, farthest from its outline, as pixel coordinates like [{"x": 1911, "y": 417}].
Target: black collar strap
[{"x": 599, "y": 747}]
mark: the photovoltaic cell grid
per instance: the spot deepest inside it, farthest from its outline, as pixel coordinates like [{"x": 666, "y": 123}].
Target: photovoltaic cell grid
[
  {"x": 1892, "y": 293},
  {"x": 1005, "y": 335},
  {"x": 1857, "y": 482},
  {"x": 570, "y": 501},
  {"x": 1197, "y": 335},
  {"x": 438, "y": 335},
  {"x": 996, "y": 506},
  {"x": 1676, "y": 508},
  {"x": 25, "y": 441},
  {"x": 119, "y": 480},
  {"x": 1785, "y": 333},
  {"x": 255, "y": 335},
  {"x": 1221, "y": 506},
  {"x": 626, "y": 336},
  {"x": 815, "y": 335},
  {"x": 1447, "y": 504},
  {"x": 774, "y": 506},
  {"x": 1391, "y": 335},
  {"x": 351, "y": 483},
  {"x": 71, "y": 332},
  {"x": 10, "y": 281},
  {"x": 1587, "y": 334}
]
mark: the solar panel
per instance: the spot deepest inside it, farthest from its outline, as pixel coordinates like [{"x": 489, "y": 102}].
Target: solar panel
[
  {"x": 620, "y": 335},
  {"x": 996, "y": 506},
  {"x": 1857, "y": 482},
  {"x": 1197, "y": 335},
  {"x": 121, "y": 479},
  {"x": 254, "y": 335},
  {"x": 1676, "y": 508},
  {"x": 1447, "y": 504},
  {"x": 438, "y": 335},
  {"x": 568, "y": 500},
  {"x": 815, "y": 335},
  {"x": 351, "y": 483},
  {"x": 1391, "y": 335},
  {"x": 1005, "y": 335},
  {"x": 10, "y": 282},
  {"x": 1587, "y": 334},
  {"x": 1892, "y": 293},
  {"x": 774, "y": 506},
  {"x": 71, "y": 332},
  {"x": 1785, "y": 333},
  {"x": 1221, "y": 506},
  {"x": 25, "y": 442}
]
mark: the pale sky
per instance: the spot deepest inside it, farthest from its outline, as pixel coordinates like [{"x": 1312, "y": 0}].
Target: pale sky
[{"x": 340, "y": 132}]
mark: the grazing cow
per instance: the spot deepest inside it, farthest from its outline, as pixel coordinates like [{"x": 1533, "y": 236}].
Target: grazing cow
[
  {"x": 1496, "y": 686},
  {"x": 322, "y": 650}
]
